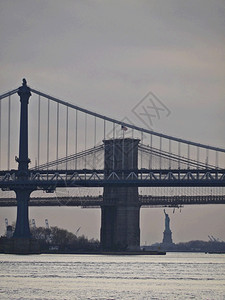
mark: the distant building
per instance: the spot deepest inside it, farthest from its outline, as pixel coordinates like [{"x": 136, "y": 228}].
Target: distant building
[
  {"x": 9, "y": 232},
  {"x": 167, "y": 234}
]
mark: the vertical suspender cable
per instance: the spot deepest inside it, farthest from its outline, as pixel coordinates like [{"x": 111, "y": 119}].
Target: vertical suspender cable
[
  {"x": 113, "y": 146},
  {"x": 132, "y": 152},
  {"x": 57, "y": 134},
  {"x": 170, "y": 154},
  {"x": 160, "y": 148},
  {"x": 150, "y": 156},
  {"x": 95, "y": 134},
  {"x": 75, "y": 165},
  {"x": 39, "y": 124},
  {"x": 123, "y": 151},
  {"x": 104, "y": 129},
  {"x": 67, "y": 127},
  {"x": 85, "y": 140},
  {"x": 188, "y": 163},
  {"x": 197, "y": 157},
  {"x": 217, "y": 159},
  {"x": 178, "y": 155},
  {"x": 0, "y": 132},
  {"x": 48, "y": 132},
  {"x": 9, "y": 121},
  {"x": 141, "y": 151},
  {"x": 207, "y": 158}
]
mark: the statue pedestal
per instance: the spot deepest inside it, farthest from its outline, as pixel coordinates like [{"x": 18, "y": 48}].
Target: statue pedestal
[{"x": 167, "y": 237}]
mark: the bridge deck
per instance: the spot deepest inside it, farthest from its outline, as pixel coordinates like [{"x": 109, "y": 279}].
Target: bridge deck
[
  {"x": 50, "y": 179},
  {"x": 98, "y": 201}
]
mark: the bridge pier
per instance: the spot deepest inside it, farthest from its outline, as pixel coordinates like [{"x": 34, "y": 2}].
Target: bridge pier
[
  {"x": 120, "y": 210},
  {"x": 22, "y": 242},
  {"x": 22, "y": 229}
]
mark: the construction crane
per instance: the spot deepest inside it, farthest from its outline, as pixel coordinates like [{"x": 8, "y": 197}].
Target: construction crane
[
  {"x": 210, "y": 238},
  {"x": 77, "y": 230},
  {"x": 213, "y": 239}
]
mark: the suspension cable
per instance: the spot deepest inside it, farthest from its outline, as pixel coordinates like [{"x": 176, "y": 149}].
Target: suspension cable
[
  {"x": 8, "y": 94},
  {"x": 173, "y": 157},
  {"x": 71, "y": 157},
  {"x": 127, "y": 124}
]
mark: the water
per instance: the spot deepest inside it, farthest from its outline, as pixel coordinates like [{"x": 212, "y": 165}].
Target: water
[{"x": 174, "y": 276}]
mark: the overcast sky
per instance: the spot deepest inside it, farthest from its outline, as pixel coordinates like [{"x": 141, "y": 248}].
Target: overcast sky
[{"x": 106, "y": 56}]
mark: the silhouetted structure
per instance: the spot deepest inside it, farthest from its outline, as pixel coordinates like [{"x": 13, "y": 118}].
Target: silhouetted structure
[
  {"x": 167, "y": 234},
  {"x": 120, "y": 176},
  {"x": 121, "y": 209},
  {"x": 21, "y": 242}
]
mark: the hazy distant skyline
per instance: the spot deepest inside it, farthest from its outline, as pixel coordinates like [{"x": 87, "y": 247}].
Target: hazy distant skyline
[{"x": 106, "y": 56}]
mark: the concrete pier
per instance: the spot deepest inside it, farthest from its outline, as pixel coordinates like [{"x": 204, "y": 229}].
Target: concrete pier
[{"x": 120, "y": 210}]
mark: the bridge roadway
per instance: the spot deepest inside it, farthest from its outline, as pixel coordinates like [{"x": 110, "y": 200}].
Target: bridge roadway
[
  {"x": 97, "y": 201},
  {"x": 50, "y": 179}
]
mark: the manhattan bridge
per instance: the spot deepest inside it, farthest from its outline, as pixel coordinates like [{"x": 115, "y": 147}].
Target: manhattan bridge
[{"x": 56, "y": 145}]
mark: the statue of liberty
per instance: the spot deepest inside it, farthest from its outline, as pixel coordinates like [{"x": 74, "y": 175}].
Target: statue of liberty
[
  {"x": 167, "y": 234},
  {"x": 167, "y": 221}
]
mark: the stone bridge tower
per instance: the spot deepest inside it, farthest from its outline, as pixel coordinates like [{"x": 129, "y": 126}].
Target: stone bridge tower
[{"x": 120, "y": 210}]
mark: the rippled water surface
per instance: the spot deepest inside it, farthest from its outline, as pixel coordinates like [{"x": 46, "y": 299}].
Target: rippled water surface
[{"x": 173, "y": 276}]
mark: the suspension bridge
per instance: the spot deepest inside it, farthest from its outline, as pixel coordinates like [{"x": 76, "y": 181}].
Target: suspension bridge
[{"x": 71, "y": 148}]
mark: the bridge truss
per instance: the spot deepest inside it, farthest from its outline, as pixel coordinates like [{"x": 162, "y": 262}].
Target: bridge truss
[{"x": 66, "y": 151}]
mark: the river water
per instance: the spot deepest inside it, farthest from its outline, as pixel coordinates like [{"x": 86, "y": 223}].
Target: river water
[{"x": 173, "y": 276}]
